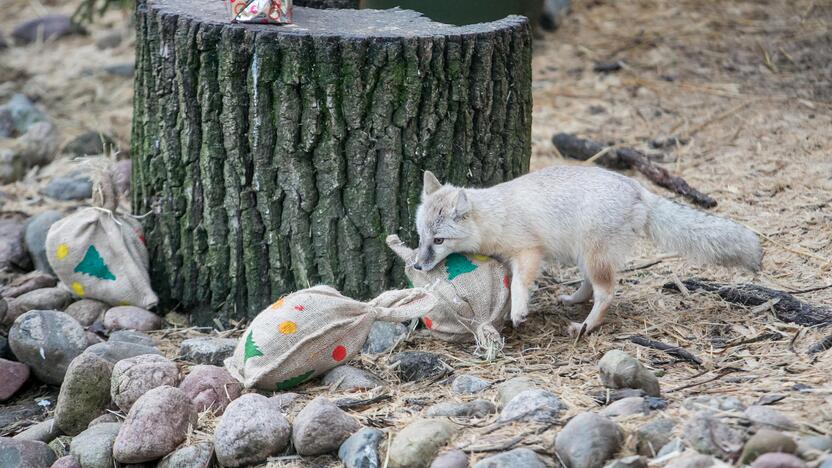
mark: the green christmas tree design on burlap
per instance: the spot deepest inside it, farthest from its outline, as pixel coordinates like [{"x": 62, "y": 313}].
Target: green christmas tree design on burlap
[
  {"x": 251, "y": 350},
  {"x": 458, "y": 264},
  {"x": 94, "y": 265},
  {"x": 294, "y": 381}
]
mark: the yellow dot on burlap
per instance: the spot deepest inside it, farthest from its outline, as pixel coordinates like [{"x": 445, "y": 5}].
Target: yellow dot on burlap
[
  {"x": 62, "y": 251},
  {"x": 78, "y": 289},
  {"x": 278, "y": 304},
  {"x": 481, "y": 258},
  {"x": 288, "y": 327}
]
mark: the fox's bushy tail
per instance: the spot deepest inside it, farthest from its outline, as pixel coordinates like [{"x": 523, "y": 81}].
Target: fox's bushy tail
[{"x": 701, "y": 237}]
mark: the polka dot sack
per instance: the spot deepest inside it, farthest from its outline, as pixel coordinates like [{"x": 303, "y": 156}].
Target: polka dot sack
[
  {"x": 311, "y": 331},
  {"x": 472, "y": 294},
  {"x": 99, "y": 253}
]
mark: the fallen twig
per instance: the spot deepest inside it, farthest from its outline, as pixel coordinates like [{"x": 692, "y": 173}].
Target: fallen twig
[
  {"x": 625, "y": 158},
  {"x": 787, "y": 307},
  {"x": 722, "y": 373},
  {"x": 675, "y": 351},
  {"x": 821, "y": 345}
]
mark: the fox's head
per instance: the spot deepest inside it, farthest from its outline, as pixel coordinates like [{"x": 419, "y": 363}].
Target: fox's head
[{"x": 444, "y": 223}]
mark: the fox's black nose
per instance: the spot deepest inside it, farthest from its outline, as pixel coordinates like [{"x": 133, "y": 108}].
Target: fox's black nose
[{"x": 417, "y": 266}]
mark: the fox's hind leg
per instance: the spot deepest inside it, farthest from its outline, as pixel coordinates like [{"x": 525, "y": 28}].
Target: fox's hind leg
[
  {"x": 602, "y": 276},
  {"x": 583, "y": 293}
]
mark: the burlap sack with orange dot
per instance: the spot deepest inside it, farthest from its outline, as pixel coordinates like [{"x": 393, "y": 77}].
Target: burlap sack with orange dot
[
  {"x": 472, "y": 293},
  {"x": 99, "y": 253},
  {"x": 311, "y": 331}
]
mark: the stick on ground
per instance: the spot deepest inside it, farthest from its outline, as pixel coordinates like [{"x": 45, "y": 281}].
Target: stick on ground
[
  {"x": 625, "y": 158},
  {"x": 675, "y": 351}
]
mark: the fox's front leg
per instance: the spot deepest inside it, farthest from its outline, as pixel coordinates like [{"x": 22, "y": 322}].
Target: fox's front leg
[{"x": 525, "y": 267}]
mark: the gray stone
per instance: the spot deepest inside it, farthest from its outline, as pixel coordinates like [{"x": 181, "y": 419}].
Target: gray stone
[
  {"x": 85, "y": 393},
  {"x": 620, "y": 370},
  {"x": 471, "y": 409},
  {"x": 29, "y": 282},
  {"x": 44, "y": 28},
  {"x": 509, "y": 389},
  {"x": 36, "y": 147},
  {"x": 708, "y": 435},
  {"x": 450, "y": 459},
  {"x": 633, "y": 461},
  {"x": 715, "y": 403},
  {"x": 35, "y": 238},
  {"x": 653, "y": 436},
  {"x": 47, "y": 341},
  {"x": 87, "y": 311},
  {"x": 321, "y": 427},
  {"x": 109, "y": 40},
  {"x": 587, "y": 441},
  {"x": 115, "y": 351},
  {"x": 763, "y": 416},
  {"x": 413, "y": 366},
  {"x": 826, "y": 463},
  {"x": 360, "y": 450},
  {"x": 553, "y": 14},
  {"x": 419, "y": 442},
  {"x": 14, "y": 375},
  {"x": 211, "y": 387},
  {"x": 766, "y": 441},
  {"x": 131, "y": 318},
  {"x": 626, "y": 407},
  {"x": 13, "y": 254},
  {"x": 17, "y": 115},
  {"x": 133, "y": 377},
  {"x": 67, "y": 461},
  {"x": 90, "y": 144},
  {"x": 156, "y": 424},
  {"x": 44, "y": 431},
  {"x": 105, "y": 418},
  {"x": 72, "y": 187},
  {"x": 251, "y": 430},
  {"x": 207, "y": 350},
  {"x": 511, "y": 459},
  {"x": 693, "y": 460},
  {"x": 39, "y": 299},
  {"x": 93, "y": 448},
  {"x": 675, "y": 445},
  {"x": 468, "y": 385},
  {"x": 132, "y": 336},
  {"x": 533, "y": 406},
  {"x": 809, "y": 447},
  {"x": 25, "y": 453},
  {"x": 190, "y": 456},
  {"x": 350, "y": 378},
  {"x": 285, "y": 401},
  {"x": 383, "y": 336},
  {"x": 778, "y": 460}
]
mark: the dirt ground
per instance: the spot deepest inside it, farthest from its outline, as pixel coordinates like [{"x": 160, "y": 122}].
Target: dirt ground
[{"x": 747, "y": 86}]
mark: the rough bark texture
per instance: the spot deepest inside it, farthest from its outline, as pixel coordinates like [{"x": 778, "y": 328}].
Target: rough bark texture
[{"x": 276, "y": 158}]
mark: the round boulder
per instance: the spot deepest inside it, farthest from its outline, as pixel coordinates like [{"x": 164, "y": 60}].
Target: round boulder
[
  {"x": 251, "y": 430},
  {"x": 131, "y": 318},
  {"x": 47, "y": 340},
  {"x": 321, "y": 427},
  {"x": 25, "y": 453},
  {"x": 87, "y": 311},
  {"x": 93, "y": 448},
  {"x": 211, "y": 387},
  {"x": 85, "y": 393},
  {"x": 135, "y": 376}
]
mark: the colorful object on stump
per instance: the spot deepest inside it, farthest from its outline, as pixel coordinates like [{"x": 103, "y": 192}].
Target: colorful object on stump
[
  {"x": 311, "y": 331},
  {"x": 261, "y": 11},
  {"x": 472, "y": 293}
]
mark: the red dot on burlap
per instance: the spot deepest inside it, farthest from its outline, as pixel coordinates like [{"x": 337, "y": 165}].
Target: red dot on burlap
[
  {"x": 428, "y": 323},
  {"x": 299, "y": 308},
  {"x": 505, "y": 281},
  {"x": 339, "y": 353}
]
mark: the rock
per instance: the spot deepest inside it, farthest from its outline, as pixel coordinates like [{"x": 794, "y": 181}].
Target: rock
[
  {"x": 156, "y": 424},
  {"x": 25, "y": 453},
  {"x": 715, "y": 403},
  {"x": 115, "y": 351},
  {"x": 210, "y": 387},
  {"x": 509, "y": 389},
  {"x": 778, "y": 460},
  {"x": 109, "y": 40},
  {"x": 124, "y": 70},
  {"x": 190, "y": 456},
  {"x": 36, "y": 147},
  {"x": 85, "y": 393},
  {"x": 72, "y": 187},
  {"x": 675, "y": 445},
  {"x": 44, "y": 431},
  {"x": 132, "y": 336},
  {"x": 826, "y": 463},
  {"x": 809, "y": 447},
  {"x": 39, "y": 299},
  {"x": 251, "y": 430},
  {"x": 419, "y": 442},
  {"x": 693, "y": 460},
  {"x": 5, "y": 350},
  {"x": 47, "y": 341},
  {"x": 86, "y": 311},
  {"x": 763, "y": 416},
  {"x": 92, "y": 338},
  {"x": 28, "y": 408},
  {"x": 653, "y": 436},
  {"x": 451, "y": 459},
  {"x": 135, "y": 376},
  {"x": 90, "y": 144},
  {"x": 514, "y": 458},
  {"x": 413, "y": 366},
  {"x": 468, "y": 385},
  {"x": 207, "y": 350},
  {"x": 383, "y": 336},
  {"x": 360, "y": 450},
  {"x": 626, "y": 407},
  {"x": 29, "y": 282},
  {"x": 131, "y": 318},
  {"x": 708, "y": 435},
  {"x": 766, "y": 441},
  {"x": 620, "y": 370},
  {"x": 15, "y": 374},
  {"x": 471, "y": 409},
  {"x": 321, "y": 427},
  {"x": 44, "y": 28},
  {"x": 17, "y": 115},
  {"x": 533, "y": 406},
  {"x": 633, "y": 461},
  {"x": 122, "y": 173},
  {"x": 350, "y": 378},
  {"x": 587, "y": 441},
  {"x": 67, "y": 461},
  {"x": 93, "y": 448},
  {"x": 105, "y": 418},
  {"x": 35, "y": 238},
  {"x": 13, "y": 255},
  {"x": 553, "y": 14},
  {"x": 285, "y": 401}
]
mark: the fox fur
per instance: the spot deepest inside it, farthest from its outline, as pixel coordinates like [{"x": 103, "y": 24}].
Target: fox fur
[{"x": 584, "y": 216}]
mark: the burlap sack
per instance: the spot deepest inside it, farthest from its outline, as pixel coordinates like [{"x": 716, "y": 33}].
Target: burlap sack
[
  {"x": 99, "y": 253},
  {"x": 311, "y": 331},
  {"x": 472, "y": 293}
]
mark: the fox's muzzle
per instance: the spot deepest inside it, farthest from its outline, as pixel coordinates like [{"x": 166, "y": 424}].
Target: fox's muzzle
[{"x": 425, "y": 259}]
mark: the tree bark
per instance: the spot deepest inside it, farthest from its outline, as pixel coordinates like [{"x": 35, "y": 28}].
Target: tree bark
[{"x": 276, "y": 158}]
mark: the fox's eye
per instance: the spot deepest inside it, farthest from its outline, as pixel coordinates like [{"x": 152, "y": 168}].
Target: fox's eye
[{"x": 438, "y": 240}]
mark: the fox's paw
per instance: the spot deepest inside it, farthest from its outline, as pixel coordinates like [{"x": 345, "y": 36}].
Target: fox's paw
[
  {"x": 517, "y": 319},
  {"x": 577, "y": 330}
]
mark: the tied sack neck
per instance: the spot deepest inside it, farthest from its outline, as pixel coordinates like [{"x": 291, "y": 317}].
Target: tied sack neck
[
  {"x": 400, "y": 305},
  {"x": 104, "y": 192}
]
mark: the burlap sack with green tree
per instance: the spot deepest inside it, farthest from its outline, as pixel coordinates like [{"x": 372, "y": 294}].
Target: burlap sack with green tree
[
  {"x": 311, "y": 331},
  {"x": 99, "y": 253},
  {"x": 472, "y": 293}
]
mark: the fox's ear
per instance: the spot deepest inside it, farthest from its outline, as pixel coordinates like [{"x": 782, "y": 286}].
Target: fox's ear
[
  {"x": 463, "y": 205},
  {"x": 431, "y": 183}
]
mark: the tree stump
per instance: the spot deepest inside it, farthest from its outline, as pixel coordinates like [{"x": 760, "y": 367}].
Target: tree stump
[{"x": 274, "y": 158}]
